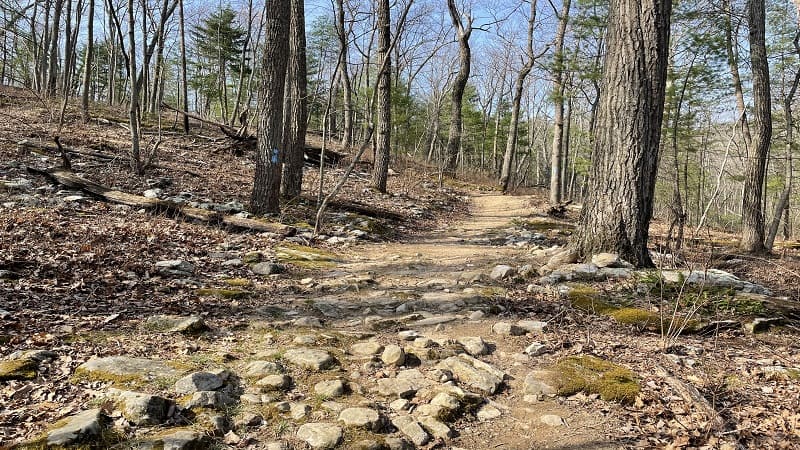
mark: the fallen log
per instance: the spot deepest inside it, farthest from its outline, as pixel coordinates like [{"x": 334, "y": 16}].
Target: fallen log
[
  {"x": 360, "y": 208},
  {"x": 69, "y": 179},
  {"x": 693, "y": 398}
]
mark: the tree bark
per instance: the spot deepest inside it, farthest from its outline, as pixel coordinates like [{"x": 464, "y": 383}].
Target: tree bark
[
  {"x": 619, "y": 205},
  {"x": 731, "y": 49},
  {"x": 52, "y": 65},
  {"x": 556, "y": 153},
  {"x": 87, "y": 64},
  {"x": 133, "y": 108},
  {"x": 269, "y": 157},
  {"x": 463, "y": 33},
  {"x": 519, "y": 87},
  {"x": 344, "y": 76},
  {"x": 755, "y": 169},
  {"x": 383, "y": 138},
  {"x": 184, "y": 82},
  {"x": 295, "y": 112}
]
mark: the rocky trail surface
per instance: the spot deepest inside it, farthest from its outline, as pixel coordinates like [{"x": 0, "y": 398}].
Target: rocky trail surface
[{"x": 472, "y": 336}]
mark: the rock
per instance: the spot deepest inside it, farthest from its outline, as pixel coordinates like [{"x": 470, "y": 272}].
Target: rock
[
  {"x": 183, "y": 440},
  {"x": 552, "y": 420},
  {"x": 609, "y": 273},
  {"x": 532, "y": 326},
  {"x": 305, "y": 339},
  {"x": 18, "y": 369},
  {"x": 535, "y": 384},
  {"x": 361, "y": 417},
  {"x": 176, "y": 324},
  {"x": 250, "y": 399},
  {"x": 153, "y": 193},
  {"x": 298, "y": 410},
  {"x": 408, "y": 335},
  {"x": 307, "y": 321},
  {"x": 477, "y": 315},
  {"x": 411, "y": 429},
  {"x": 396, "y": 443},
  {"x": 400, "y": 404},
  {"x": 277, "y": 446},
  {"x": 761, "y": 324},
  {"x": 320, "y": 435},
  {"x": 311, "y": 359},
  {"x": 261, "y": 369},
  {"x": 209, "y": 399},
  {"x": 198, "y": 381},
  {"x": 267, "y": 268},
  {"x": 423, "y": 342},
  {"x": 369, "y": 348},
  {"x": 405, "y": 385},
  {"x": 502, "y": 272},
  {"x": 446, "y": 401},
  {"x": 274, "y": 383},
  {"x": 536, "y": 349},
  {"x": 141, "y": 409},
  {"x": 611, "y": 260},
  {"x": 473, "y": 373},
  {"x": 115, "y": 368},
  {"x": 177, "y": 267},
  {"x": 79, "y": 428},
  {"x": 436, "y": 427},
  {"x": 474, "y": 345},
  {"x": 231, "y": 438},
  {"x": 507, "y": 329},
  {"x": 329, "y": 389},
  {"x": 488, "y": 412},
  {"x": 434, "y": 320},
  {"x": 393, "y": 355}
]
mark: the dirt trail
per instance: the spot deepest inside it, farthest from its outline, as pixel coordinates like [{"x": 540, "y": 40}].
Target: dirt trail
[{"x": 442, "y": 275}]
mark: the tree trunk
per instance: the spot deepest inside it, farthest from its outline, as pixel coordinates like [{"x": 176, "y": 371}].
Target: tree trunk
[
  {"x": 755, "y": 169},
  {"x": 87, "y": 64},
  {"x": 52, "y": 65},
  {"x": 617, "y": 212},
  {"x": 732, "y": 52},
  {"x": 184, "y": 83},
  {"x": 383, "y": 138},
  {"x": 267, "y": 181},
  {"x": 519, "y": 87},
  {"x": 344, "y": 77},
  {"x": 133, "y": 110},
  {"x": 295, "y": 111},
  {"x": 463, "y": 32},
  {"x": 556, "y": 154}
]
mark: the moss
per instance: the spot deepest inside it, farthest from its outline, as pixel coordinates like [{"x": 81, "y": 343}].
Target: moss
[
  {"x": 586, "y": 298},
  {"x": 593, "y": 375},
  {"x": 793, "y": 374},
  {"x": 237, "y": 282},
  {"x": 252, "y": 257},
  {"x": 305, "y": 257},
  {"x": 493, "y": 291},
  {"x": 18, "y": 369},
  {"x": 637, "y": 317},
  {"x": 222, "y": 293}
]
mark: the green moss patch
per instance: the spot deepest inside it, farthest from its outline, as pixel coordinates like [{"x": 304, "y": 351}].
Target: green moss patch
[
  {"x": 589, "y": 299},
  {"x": 18, "y": 369},
  {"x": 592, "y": 375},
  {"x": 305, "y": 257},
  {"x": 222, "y": 293},
  {"x": 641, "y": 318},
  {"x": 237, "y": 282}
]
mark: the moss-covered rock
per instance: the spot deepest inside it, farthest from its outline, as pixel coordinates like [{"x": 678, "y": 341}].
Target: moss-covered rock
[
  {"x": 237, "y": 282},
  {"x": 589, "y": 299},
  {"x": 638, "y": 317},
  {"x": 18, "y": 369},
  {"x": 304, "y": 256},
  {"x": 584, "y": 373},
  {"x": 126, "y": 372}
]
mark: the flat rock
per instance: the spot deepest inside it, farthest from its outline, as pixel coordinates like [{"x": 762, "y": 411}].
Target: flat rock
[
  {"x": 611, "y": 260},
  {"x": 299, "y": 410},
  {"x": 552, "y": 420},
  {"x": 474, "y": 345},
  {"x": 198, "y": 381},
  {"x": 532, "y": 326},
  {"x": 311, "y": 359},
  {"x": 507, "y": 329},
  {"x": 261, "y": 368},
  {"x": 361, "y": 417},
  {"x": 536, "y": 383},
  {"x": 183, "y": 440},
  {"x": 502, "y": 272},
  {"x": 536, "y": 349},
  {"x": 177, "y": 267},
  {"x": 405, "y": 385},
  {"x": 267, "y": 268},
  {"x": 140, "y": 408},
  {"x": 276, "y": 382},
  {"x": 124, "y": 367},
  {"x": 488, "y": 412},
  {"x": 209, "y": 399},
  {"x": 411, "y": 429},
  {"x": 473, "y": 372},
  {"x": 79, "y": 428},
  {"x": 369, "y": 348},
  {"x": 320, "y": 435},
  {"x": 330, "y": 388},
  {"x": 434, "y": 320},
  {"x": 436, "y": 427}
]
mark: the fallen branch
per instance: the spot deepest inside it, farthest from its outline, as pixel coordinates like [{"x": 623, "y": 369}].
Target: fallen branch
[
  {"x": 226, "y": 130},
  {"x": 69, "y": 179},
  {"x": 364, "y": 210},
  {"x": 693, "y": 397}
]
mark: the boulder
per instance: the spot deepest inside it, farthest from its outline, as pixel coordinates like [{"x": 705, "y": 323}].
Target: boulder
[
  {"x": 311, "y": 359},
  {"x": 83, "y": 427},
  {"x": 320, "y": 435}
]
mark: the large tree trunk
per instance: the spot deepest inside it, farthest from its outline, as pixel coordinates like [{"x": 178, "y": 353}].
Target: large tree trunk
[
  {"x": 383, "y": 139},
  {"x": 269, "y": 158},
  {"x": 556, "y": 154},
  {"x": 519, "y": 87},
  {"x": 133, "y": 109},
  {"x": 755, "y": 169},
  {"x": 295, "y": 113},
  {"x": 732, "y": 52},
  {"x": 617, "y": 212},
  {"x": 463, "y": 32}
]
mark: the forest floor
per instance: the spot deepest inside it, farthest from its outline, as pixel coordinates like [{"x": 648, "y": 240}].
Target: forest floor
[{"x": 427, "y": 327}]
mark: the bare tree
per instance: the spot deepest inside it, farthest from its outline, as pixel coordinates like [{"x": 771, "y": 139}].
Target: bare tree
[
  {"x": 463, "y": 27},
  {"x": 344, "y": 76},
  {"x": 556, "y": 155},
  {"x": 295, "y": 113},
  {"x": 87, "y": 64},
  {"x": 383, "y": 138}
]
